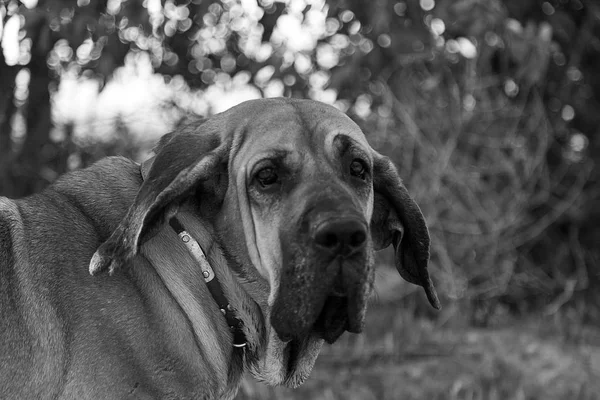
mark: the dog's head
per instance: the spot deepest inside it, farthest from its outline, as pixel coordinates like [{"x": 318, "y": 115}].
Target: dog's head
[{"x": 298, "y": 196}]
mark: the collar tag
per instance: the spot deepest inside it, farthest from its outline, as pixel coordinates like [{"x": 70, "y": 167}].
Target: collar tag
[{"x": 196, "y": 251}]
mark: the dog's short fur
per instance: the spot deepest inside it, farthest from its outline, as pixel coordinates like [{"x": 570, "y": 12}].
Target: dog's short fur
[{"x": 287, "y": 199}]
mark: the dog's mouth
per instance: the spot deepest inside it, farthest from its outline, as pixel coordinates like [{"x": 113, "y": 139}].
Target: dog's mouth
[
  {"x": 333, "y": 319},
  {"x": 334, "y": 303},
  {"x": 329, "y": 326},
  {"x": 331, "y": 323},
  {"x": 339, "y": 312}
]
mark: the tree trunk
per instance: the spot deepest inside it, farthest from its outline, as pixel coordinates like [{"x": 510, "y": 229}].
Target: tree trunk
[
  {"x": 38, "y": 156},
  {"x": 29, "y": 168},
  {"x": 7, "y": 110}
]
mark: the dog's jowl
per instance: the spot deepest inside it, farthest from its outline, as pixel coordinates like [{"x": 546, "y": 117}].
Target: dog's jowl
[{"x": 246, "y": 242}]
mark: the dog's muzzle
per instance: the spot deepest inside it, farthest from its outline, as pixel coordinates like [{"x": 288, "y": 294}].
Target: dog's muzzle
[{"x": 326, "y": 274}]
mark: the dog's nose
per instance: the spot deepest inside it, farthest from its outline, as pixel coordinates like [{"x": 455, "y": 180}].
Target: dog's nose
[{"x": 341, "y": 236}]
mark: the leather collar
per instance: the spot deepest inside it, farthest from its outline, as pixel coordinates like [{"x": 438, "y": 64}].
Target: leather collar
[{"x": 212, "y": 282}]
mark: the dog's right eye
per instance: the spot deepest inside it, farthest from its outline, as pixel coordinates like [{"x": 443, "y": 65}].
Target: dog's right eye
[
  {"x": 267, "y": 176},
  {"x": 358, "y": 169}
]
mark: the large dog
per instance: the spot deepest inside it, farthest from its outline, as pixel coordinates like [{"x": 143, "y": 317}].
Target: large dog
[{"x": 287, "y": 200}]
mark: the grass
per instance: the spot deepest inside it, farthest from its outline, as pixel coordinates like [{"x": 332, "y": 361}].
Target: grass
[{"x": 400, "y": 356}]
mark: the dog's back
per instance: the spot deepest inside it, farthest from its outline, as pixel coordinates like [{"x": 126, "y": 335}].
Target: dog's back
[
  {"x": 46, "y": 293},
  {"x": 66, "y": 334}
]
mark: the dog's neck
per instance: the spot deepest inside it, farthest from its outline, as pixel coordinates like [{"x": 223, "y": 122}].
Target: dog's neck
[
  {"x": 182, "y": 276},
  {"x": 197, "y": 252},
  {"x": 234, "y": 285},
  {"x": 212, "y": 283}
]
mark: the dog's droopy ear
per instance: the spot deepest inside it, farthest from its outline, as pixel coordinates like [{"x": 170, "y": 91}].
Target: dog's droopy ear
[
  {"x": 184, "y": 160},
  {"x": 398, "y": 220}
]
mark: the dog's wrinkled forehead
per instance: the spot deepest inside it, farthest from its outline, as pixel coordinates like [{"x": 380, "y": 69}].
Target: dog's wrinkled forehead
[{"x": 295, "y": 127}]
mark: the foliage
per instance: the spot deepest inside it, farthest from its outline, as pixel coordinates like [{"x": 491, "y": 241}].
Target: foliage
[{"x": 489, "y": 109}]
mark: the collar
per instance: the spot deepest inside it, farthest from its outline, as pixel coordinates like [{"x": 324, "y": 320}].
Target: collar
[{"x": 212, "y": 282}]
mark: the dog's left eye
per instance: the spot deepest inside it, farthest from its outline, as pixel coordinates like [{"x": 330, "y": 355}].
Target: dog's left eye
[
  {"x": 267, "y": 176},
  {"x": 357, "y": 168}
]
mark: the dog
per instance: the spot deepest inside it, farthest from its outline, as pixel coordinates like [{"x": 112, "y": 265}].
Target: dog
[{"x": 244, "y": 244}]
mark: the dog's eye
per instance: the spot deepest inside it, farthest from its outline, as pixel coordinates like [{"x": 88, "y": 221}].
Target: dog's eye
[
  {"x": 357, "y": 168},
  {"x": 267, "y": 176}
]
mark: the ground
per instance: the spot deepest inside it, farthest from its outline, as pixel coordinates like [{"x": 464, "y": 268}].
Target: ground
[{"x": 403, "y": 357}]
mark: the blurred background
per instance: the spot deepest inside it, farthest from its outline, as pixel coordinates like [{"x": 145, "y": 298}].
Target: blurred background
[{"x": 489, "y": 108}]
